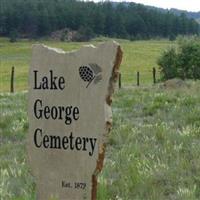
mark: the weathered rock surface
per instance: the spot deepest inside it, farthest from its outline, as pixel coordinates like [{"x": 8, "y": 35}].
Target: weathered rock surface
[{"x": 69, "y": 118}]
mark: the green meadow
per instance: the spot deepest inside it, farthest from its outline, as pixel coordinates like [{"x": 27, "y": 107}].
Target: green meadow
[
  {"x": 152, "y": 152},
  {"x": 138, "y": 56}
]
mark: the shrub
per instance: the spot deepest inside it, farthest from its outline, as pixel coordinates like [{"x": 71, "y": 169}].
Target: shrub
[
  {"x": 172, "y": 37},
  {"x": 84, "y": 34},
  {"x": 189, "y": 59},
  {"x": 183, "y": 62},
  {"x": 168, "y": 64},
  {"x": 13, "y": 36}
]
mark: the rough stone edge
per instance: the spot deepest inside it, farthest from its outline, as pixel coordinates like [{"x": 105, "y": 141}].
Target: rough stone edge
[
  {"x": 108, "y": 101},
  {"x": 108, "y": 126},
  {"x": 61, "y": 51}
]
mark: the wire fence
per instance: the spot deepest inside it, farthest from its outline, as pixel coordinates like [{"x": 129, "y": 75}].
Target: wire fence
[
  {"x": 135, "y": 78},
  {"x": 139, "y": 78}
]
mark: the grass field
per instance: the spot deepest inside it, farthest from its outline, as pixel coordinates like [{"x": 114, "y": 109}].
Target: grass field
[
  {"x": 152, "y": 154},
  {"x": 153, "y": 149},
  {"x": 138, "y": 56}
]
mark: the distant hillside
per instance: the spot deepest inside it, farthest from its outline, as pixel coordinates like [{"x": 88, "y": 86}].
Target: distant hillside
[
  {"x": 198, "y": 20},
  {"x": 189, "y": 14},
  {"x": 193, "y": 15}
]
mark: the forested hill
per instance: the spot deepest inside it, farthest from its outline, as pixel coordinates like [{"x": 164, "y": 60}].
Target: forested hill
[
  {"x": 194, "y": 15},
  {"x": 188, "y": 14},
  {"x": 36, "y": 18}
]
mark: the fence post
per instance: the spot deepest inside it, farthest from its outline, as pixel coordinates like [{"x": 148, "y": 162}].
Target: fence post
[
  {"x": 138, "y": 78},
  {"x": 154, "y": 75},
  {"x": 12, "y": 80},
  {"x": 120, "y": 80}
]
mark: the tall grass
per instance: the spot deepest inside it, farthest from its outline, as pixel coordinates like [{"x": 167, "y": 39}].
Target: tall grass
[
  {"x": 154, "y": 148},
  {"x": 16, "y": 183},
  {"x": 152, "y": 152}
]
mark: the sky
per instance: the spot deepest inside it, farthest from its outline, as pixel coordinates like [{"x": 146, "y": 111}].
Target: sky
[{"x": 189, "y": 5}]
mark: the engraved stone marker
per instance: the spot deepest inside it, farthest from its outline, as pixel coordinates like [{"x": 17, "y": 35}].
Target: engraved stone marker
[{"x": 70, "y": 117}]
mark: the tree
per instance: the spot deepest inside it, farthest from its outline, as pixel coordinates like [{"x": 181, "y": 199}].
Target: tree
[
  {"x": 168, "y": 64},
  {"x": 13, "y": 35},
  {"x": 183, "y": 63},
  {"x": 38, "y": 18},
  {"x": 189, "y": 59},
  {"x": 44, "y": 26}
]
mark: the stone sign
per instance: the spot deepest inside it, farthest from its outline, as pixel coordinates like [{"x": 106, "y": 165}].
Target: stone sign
[{"x": 70, "y": 117}]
